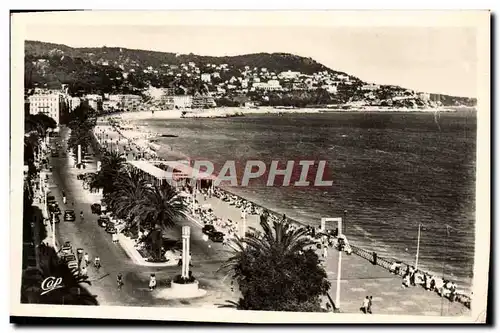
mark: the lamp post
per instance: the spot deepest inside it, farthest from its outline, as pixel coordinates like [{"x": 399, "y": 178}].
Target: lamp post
[
  {"x": 418, "y": 246},
  {"x": 79, "y": 255},
  {"x": 345, "y": 219},
  {"x": 339, "y": 268}
]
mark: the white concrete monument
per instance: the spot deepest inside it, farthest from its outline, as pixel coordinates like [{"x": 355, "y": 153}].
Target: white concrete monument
[
  {"x": 79, "y": 155},
  {"x": 186, "y": 233}
]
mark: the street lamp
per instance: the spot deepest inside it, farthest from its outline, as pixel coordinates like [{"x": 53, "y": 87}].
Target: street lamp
[
  {"x": 79, "y": 255},
  {"x": 418, "y": 246},
  {"x": 345, "y": 219}
]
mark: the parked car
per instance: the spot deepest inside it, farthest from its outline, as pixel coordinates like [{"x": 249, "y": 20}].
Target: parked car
[
  {"x": 208, "y": 229},
  {"x": 69, "y": 215},
  {"x": 54, "y": 208},
  {"x": 73, "y": 265},
  {"x": 216, "y": 236},
  {"x": 68, "y": 257},
  {"x": 103, "y": 221},
  {"x": 96, "y": 209},
  {"x": 54, "y": 154},
  {"x": 110, "y": 228},
  {"x": 56, "y": 218},
  {"x": 66, "y": 249},
  {"x": 51, "y": 199}
]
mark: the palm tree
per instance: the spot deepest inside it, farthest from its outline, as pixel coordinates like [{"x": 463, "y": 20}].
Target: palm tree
[
  {"x": 160, "y": 209},
  {"x": 128, "y": 199},
  {"x": 278, "y": 262},
  {"x": 72, "y": 291},
  {"x": 112, "y": 165}
]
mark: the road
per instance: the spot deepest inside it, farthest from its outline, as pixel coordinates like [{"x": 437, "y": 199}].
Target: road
[{"x": 94, "y": 240}]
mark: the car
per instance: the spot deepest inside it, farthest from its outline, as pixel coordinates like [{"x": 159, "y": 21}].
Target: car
[
  {"x": 73, "y": 265},
  {"x": 51, "y": 199},
  {"x": 96, "y": 209},
  {"x": 54, "y": 208},
  {"x": 68, "y": 257},
  {"x": 110, "y": 228},
  {"x": 216, "y": 236},
  {"x": 56, "y": 218},
  {"x": 103, "y": 221},
  {"x": 208, "y": 229},
  {"x": 54, "y": 154},
  {"x": 69, "y": 215}
]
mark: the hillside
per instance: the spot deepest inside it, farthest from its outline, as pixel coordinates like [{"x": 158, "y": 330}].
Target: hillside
[{"x": 121, "y": 70}]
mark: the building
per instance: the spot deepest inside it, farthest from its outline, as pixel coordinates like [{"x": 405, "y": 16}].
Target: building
[
  {"x": 110, "y": 106},
  {"x": 73, "y": 103},
  {"x": 52, "y": 105},
  {"x": 424, "y": 96},
  {"x": 183, "y": 101},
  {"x": 205, "y": 77},
  {"x": 203, "y": 102},
  {"x": 95, "y": 101},
  {"x": 330, "y": 88},
  {"x": 289, "y": 75},
  {"x": 370, "y": 87}
]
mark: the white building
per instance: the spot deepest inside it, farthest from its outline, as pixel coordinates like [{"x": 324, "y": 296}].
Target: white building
[
  {"x": 288, "y": 75},
  {"x": 51, "y": 105},
  {"x": 183, "y": 101},
  {"x": 424, "y": 96},
  {"x": 74, "y": 102},
  {"x": 370, "y": 87},
  {"x": 205, "y": 77}
]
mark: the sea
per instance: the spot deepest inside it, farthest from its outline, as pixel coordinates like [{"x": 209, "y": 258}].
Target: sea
[{"x": 391, "y": 171}]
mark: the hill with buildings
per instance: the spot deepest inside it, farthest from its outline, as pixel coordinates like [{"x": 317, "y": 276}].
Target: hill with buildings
[{"x": 276, "y": 79}]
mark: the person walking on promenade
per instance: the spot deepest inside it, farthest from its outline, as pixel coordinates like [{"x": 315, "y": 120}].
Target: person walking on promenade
[
  {"x": 325, "y": 251},
  {"x": 366, "y": 303},
  {"x": 83, "y": 271},
  {"x": 64, "y": 197},
  {"x": 152, "y": 282},
  {"x": 97, "y": 263},
  {"x": 119, "y": 281},
  {"x": 86, "y": 258},
  {"x": 369, "y": 309},
  {"x": 406, "y": 281}
]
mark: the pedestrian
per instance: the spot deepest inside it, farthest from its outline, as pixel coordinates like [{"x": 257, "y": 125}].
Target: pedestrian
[
  {"x": 370, "y": 304},
  {"x": 86, "y": 258},
  {"x": 83, "y": 271},
  {"x": 152, "y": 282},
  {"x": 325, "y": 252},
  {"x": 406, "y": 281},
  {"x": 119, "y": 281},
  {"x": 366, "y": 303}
]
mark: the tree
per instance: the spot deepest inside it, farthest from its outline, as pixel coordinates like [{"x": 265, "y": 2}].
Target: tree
[
  {"x": 127, "y": 200},
  {"x": 277, "y": 270},
  {"x": 161, "y": 206},
  {"x": 72, "y": 291},
  {"x": 112, "y": 165}
]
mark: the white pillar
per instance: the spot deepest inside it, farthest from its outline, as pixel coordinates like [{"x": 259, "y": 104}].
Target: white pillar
[
  {"x": 185, "y": 251},
  {"x": 79, "y": 154}
]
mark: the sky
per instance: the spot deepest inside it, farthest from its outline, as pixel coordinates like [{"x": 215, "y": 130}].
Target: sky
[{"x": 439, "y": 59}]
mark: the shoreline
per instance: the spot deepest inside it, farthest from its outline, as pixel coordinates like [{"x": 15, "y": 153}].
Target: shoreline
[
  {"x": 227, "y": 112},
  {"x": 143, "y": 132}
]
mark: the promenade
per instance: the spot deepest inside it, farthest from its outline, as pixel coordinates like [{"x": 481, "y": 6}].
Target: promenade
[{"x": 359, "y": 278}]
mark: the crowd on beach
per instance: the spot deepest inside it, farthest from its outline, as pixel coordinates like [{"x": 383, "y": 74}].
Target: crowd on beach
[
  {"x": 324, "y": 239},
  {"x": 414, "y": 277}
]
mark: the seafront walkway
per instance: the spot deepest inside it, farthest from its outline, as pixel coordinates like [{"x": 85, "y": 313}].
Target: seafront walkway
[{"x": 359, "y": 278}]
